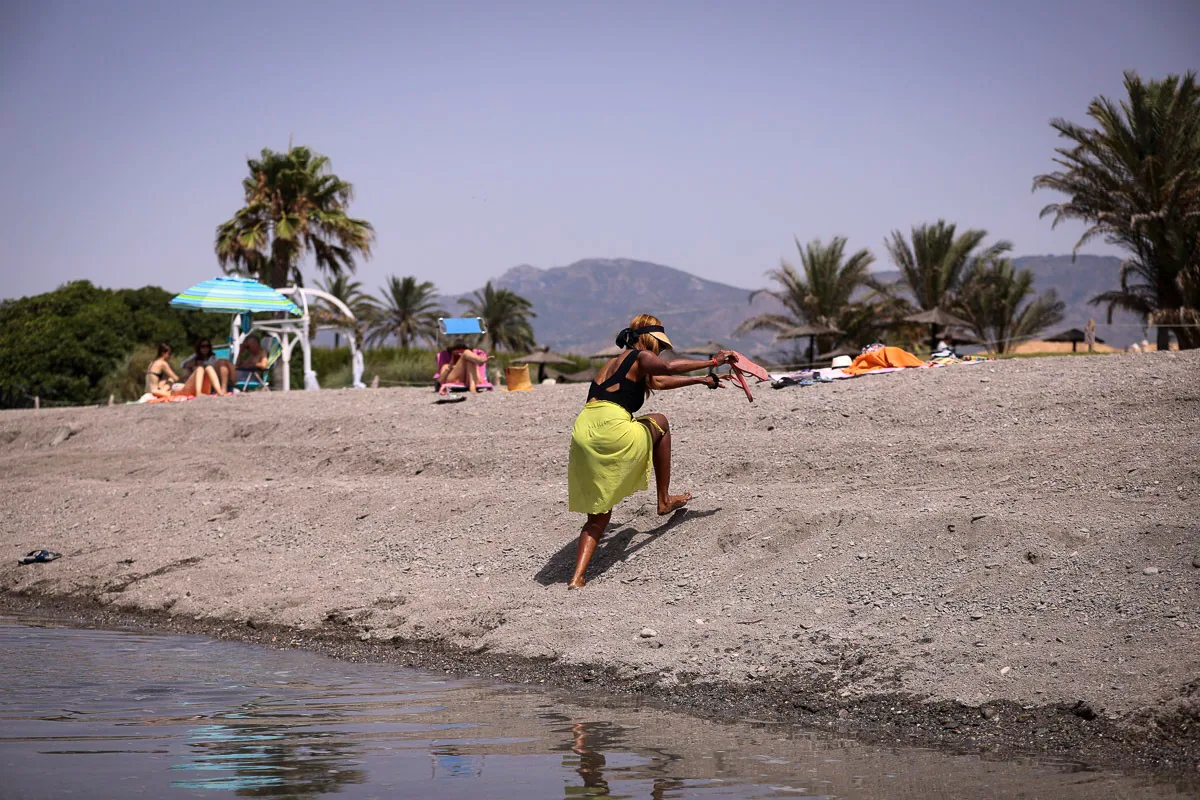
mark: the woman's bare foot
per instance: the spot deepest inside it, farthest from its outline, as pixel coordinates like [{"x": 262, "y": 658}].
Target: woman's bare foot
[
  {"x": 674, "y": 503},
  {"x": 579, "y": 584}
]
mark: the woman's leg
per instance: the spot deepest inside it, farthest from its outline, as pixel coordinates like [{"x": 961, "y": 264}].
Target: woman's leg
[
  {"x": 209, "y": 382},
  {"x": 226, "y": 374},
  {"x": 593, "y": 529},
  {"x": 465, "y": 372},
  {"x": 471, "y": 362},
  {"x": 660, "y": 433},
  {"x": 191, "y": 387}
]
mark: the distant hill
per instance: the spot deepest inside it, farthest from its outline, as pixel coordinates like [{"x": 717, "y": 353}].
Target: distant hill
[
  {"x": 580, "y": 307},
  {"x": 1079, "y": 281}
]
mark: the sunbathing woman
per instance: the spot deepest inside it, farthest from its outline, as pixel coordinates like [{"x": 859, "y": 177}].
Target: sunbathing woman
[
  {"x": 463, "y": 368},
  {"x": 162, "y": 382},
  {"x": 611, "y": 451}
]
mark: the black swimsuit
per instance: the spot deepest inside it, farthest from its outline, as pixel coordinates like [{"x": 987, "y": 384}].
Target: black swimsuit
[{"x": 629, "y": 395}]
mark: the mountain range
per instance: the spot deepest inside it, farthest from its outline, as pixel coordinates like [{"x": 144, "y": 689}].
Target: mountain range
[{"x": 580, "y": 307}]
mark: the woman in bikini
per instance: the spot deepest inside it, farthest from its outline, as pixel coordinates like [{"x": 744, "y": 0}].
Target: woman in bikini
[
  {"x": 161, "y": 380},
  {"x": 611, "y": 451},
  {"x": 463, "y": 368}
]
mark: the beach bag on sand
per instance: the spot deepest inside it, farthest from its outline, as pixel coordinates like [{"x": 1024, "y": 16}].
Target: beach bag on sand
[{"x": 517, "y": 378}]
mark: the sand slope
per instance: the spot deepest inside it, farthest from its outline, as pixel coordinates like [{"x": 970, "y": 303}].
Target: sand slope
[{"x": 1020, "y": 530}]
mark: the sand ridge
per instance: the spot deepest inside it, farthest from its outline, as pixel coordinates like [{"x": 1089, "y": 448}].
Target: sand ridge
[{"x": 1022, "y": 530}]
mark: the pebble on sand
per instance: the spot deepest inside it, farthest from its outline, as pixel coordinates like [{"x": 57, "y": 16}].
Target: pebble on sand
[
  {"x": 1150, "y": 571},
  {"x": 647, "y": 633}
]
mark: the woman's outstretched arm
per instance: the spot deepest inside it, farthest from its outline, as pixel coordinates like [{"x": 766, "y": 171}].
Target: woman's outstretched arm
[
  {"x": 653, "y": 366},
  {"x": 661, "y": 382}
]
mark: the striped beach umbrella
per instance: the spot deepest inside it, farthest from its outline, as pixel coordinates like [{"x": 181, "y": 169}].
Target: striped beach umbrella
[{"x": 233, "y": 294}]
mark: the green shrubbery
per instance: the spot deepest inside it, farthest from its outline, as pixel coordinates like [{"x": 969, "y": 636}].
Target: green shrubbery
[
  {"x": 127, "y": 381},
  {"x": 395, "y": 366},
  {"x": 62, "y": 345}
]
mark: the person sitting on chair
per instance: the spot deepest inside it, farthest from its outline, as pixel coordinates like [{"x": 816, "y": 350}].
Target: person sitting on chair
[
  {"x": 463, "y": 367},
  {"x": 252, "y": 360},
  {"x": 203, "y": 356}
]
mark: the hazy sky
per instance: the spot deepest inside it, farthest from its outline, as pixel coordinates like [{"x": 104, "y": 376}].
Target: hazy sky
[{"x": 702, "y": 135}]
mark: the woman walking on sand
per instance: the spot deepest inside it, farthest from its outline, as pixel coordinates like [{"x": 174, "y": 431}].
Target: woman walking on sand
[{"x": 611, "y": 451}]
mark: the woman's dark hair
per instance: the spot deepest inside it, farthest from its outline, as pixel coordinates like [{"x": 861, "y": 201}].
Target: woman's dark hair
[
  {"x": 202, "y": 343},
  {"x": 458, "y": 344},
  {"x": 164, "y": 349}
]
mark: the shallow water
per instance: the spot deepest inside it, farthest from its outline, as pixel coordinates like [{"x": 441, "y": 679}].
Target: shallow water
[{"x": 99, "y": 714}]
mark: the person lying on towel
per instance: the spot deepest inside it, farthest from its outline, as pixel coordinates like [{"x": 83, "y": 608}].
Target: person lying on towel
[{"x": 611, "y": 450}]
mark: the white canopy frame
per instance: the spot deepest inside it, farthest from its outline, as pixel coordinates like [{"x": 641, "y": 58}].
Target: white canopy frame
[{"x": 294, "y": 331}]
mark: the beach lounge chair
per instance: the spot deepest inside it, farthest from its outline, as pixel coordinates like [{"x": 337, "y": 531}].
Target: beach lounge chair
[
  {"x": 460, "y": 327},
  {"x": 259, "y": 378},
  {"x": 443, "y": 358}
]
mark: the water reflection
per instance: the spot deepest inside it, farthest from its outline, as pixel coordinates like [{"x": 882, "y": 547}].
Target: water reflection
[
  {"x": 102, "y": 714},
  {"x": 588, "y": 742},
  {"x": 256, "y": 760}
]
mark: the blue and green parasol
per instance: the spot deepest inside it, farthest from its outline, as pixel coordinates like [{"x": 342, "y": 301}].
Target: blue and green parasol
[{"x": 233, "y": 294}]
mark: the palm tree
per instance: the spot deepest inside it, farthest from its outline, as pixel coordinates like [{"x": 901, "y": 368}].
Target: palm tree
[
  {"x": 363, "y": 306},
  {"x": 505, "y": 315},
  {"x": 991, "y": 298},
  {"x": 294, "y": 206},
  {"x": 823, "y": 295},
  {"x": 1134, "y": 179},
  {"x": 933, "y": 265},
  {"x": 409, "y": 312}
]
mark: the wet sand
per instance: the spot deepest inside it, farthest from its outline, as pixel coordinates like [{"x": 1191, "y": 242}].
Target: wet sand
[{"x": 998, "y": 555}]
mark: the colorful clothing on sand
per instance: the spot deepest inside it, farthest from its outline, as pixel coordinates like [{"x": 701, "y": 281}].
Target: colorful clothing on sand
[{"x": 883, "y": 358}]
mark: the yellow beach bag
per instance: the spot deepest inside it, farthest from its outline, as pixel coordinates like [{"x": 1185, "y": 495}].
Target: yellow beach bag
[{"x": 517, "y": 378}]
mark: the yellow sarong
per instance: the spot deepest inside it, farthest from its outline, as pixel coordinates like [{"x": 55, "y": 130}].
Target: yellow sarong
[{"x": 610, "y": 458}]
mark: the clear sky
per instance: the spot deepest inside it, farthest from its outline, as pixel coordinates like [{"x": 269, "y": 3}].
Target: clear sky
[{"x": 481, "y": 135}]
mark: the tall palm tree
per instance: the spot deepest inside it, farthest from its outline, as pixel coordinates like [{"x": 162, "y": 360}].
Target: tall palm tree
[
  {"x": 409, "y": 312},
  {"x": 363, "y": 306},
  {"x": 506, "y": 316},
  {"x": 932, "y": 266},
  {"x": 995, "y": 298},
  {"x": 829, "y": 289},
  {"x": 1134, "y": 179},
  {"x": 294, "y": 207}
]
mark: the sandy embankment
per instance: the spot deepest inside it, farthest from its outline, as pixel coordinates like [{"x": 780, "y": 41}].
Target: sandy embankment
[{"x": 1024, "y": 531}]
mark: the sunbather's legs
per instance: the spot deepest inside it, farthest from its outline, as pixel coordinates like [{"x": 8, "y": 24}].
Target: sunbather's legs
[
  {"x": 660, "y": 434},
  {"x": 464, "y": 371},
  {"x": 192, "y": 386},
  {"x": 226, "y": 374},
  {"x": 593, "y": 529},
  {"x": 209, "y": 382}
]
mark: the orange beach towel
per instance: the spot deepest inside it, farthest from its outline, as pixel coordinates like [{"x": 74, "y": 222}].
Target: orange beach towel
[{"x": 883, "y": 358}]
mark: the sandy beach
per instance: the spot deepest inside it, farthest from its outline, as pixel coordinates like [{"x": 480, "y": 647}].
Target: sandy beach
[{"x": 1012, "y": 547}]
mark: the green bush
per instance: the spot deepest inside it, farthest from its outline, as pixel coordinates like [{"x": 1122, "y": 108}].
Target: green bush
[
  {"x": 127, "y": 381},
  {"x": 395, "y": 366},
  {"x": 61, "y": 345}
]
